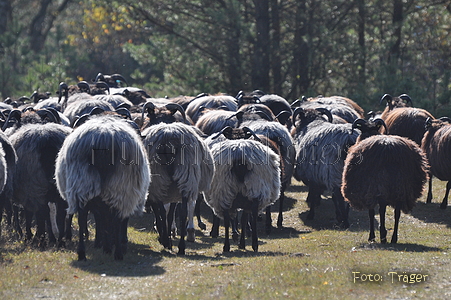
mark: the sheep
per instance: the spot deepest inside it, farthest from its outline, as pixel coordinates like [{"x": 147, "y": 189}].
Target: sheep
[
  {"x": 36, "y": 146},
  {"x": 115, "y": 100},
  {"x": 383, "y": 170},
  {"x": 113, "y": 80},
  {"x": 168, "y": 113},
  {"x": 247, "y": 176},
  {"x": 320, "y": 153},
  {"x": 8, "y": 154},
  {"x": 224, "y": 102},
  {"x": 76, "y": 109},
  {"x": 8, "y": 159},
  {"x": 183, "y": 168},
  {"x": 102, "y": 166},
  {"x": 280, "y": 135},
  {"x": 436, "y": 144},
  {"x": 406, "y": 122},
  {"x": 215, "y": 120},
  {"x": 343, "y": 109}
]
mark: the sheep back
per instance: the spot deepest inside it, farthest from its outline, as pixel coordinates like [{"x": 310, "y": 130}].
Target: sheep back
[
  {"x": 262, "y": 181},
  {"x": 384, "y": 168},
  {"x": 119, "y": 175},
  {"x": 280, "y": 134},
  {"x": 36, "y": 146},
  {"x": 437, "y": 146},
  {"x": 320, "y": 153},
  {"x": 407, "y": 122},
  {"x": 180, "y": 160}
]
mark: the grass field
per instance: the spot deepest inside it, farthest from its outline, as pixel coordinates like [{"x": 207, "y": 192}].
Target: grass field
[{"x": 304, "y": 259}]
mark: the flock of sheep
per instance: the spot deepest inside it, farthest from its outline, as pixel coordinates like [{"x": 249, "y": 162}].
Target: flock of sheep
[{"x": 114, "y": 152}]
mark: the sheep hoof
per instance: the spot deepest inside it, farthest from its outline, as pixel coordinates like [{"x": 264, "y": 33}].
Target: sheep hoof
[
  {"x": 190, "y": 236},
  {"x": 383, "y": 240},
  {"x": 81, "y": 256},
  {"x": 226, "y": 248},
  {"x": 118, "y": 256}
]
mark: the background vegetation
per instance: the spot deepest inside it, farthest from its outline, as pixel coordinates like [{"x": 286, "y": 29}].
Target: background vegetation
[{"x": 361, "y": 48}]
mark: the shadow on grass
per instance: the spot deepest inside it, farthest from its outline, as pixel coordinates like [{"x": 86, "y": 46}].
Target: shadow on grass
[
  {"x": 431, "y": 213},
  {"x": 399, "y": 247},
  {"x": 139, "y": 261}
]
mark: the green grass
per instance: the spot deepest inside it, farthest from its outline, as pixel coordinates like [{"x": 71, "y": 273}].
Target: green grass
[{"x": 306, "y": 258}]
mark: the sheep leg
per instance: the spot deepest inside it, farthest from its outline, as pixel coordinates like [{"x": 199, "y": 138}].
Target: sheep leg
[
  {"x": 313, "y": 199},
  {"x": 42, "y": 218},
  {"x": 281, "y": 201},
  {"x": 215, "y": 227},
  {"x": 16, "y": 221},
  {"x": 170, "y": 216},
  {"x": 199, "y": 200},
  {"x": 445, "y": 199},
  {"x": 234, "y": 225},
  {"x": 183, "y": 219},
  {"x": 254, "y": 225},
  {"x": 371, "y": 214},
  {"x": 268, "y": 223},
  {"x": 50, "y": 218},
  {"x": 28, "y": 220},
  {"x": 68, "y": 229},
  {"x": 160, "y": 219},
  {"x": 190, "y": 233},
  {"x": 117, "y": 225},
  {"x": 2, "y": 205},
  {"x": 244, "y": 220},
  {"x": 341, "y": 208},
  {"x": 394, "y": 238},
  {"x": 82, "y": 225},
  {"x": 226, "y": 247},
  {"x": 61, "y": 207},
  {"x": 124, "y": 237},
  {"x": 109, "y": 230},
  {"x": 429, "y": 197},
  {"x": 382, "y": 230}
]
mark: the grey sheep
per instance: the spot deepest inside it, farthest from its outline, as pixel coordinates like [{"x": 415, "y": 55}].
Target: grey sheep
[
  {"x": 103, "y": 166},
  {"x": 8, "y": 160},
  {"x": 383, "y": 170},
  {"x": 183, "y": 167},
  {"x": 247, "y": 176},
  {"x": 34, "y": 187},
  {"x": 320, "y": 153},
  {"x": 224, "y": 102},
  {"x": 280, "y": 135}
]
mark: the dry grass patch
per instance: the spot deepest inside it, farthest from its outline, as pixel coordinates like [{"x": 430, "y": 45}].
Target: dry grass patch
[{"x": 303, "y": 259}]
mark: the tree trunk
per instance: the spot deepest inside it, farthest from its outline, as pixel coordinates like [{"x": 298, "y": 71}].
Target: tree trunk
[
  {"x": 301, "y": 50},
  {"x": 5, "y": 18},
  {"x": 361, "y": 38},
  {"x": 395, "y": 49},
  {"x": 42, "y": 23},
  {"x": 276, "y": 64},
  {"x": 261, "y": 64}
]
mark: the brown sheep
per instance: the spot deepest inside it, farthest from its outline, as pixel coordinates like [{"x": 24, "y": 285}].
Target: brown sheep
[{"x": 374, "y": 175}]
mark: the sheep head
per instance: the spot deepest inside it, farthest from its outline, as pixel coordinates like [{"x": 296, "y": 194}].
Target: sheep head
[
  {"x": 237, "y": 133},
  {"x": 306, "y": 116},
  {"x": 395, "y": 102},
  {"x": 159, "y": 114}
]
